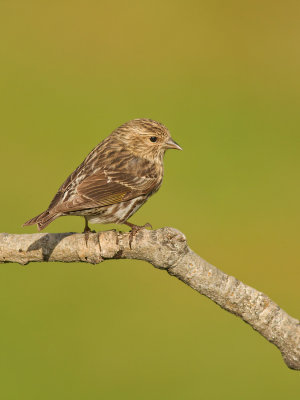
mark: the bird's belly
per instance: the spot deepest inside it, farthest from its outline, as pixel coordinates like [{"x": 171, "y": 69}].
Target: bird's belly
[{"x": 116, "y": 213}]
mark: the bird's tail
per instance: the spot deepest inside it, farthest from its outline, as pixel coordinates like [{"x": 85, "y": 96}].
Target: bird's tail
[{"x": 42, "y": 220}]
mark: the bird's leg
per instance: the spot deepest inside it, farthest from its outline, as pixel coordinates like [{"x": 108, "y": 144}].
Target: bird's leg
[
  {"x": 135, "y": 229},
  {"x": 87, "y": 230}
]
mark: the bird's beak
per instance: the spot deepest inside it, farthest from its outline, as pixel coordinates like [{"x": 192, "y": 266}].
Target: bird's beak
[{"x": 171, "y": 144}]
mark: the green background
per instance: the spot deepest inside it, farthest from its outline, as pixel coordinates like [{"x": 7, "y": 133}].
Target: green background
[{"x": 223, "y": 76}]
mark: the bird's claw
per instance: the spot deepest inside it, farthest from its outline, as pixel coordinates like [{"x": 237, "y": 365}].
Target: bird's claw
[
  {"x": 135, "y": 229},
  {"x": 87, "y": 233}
]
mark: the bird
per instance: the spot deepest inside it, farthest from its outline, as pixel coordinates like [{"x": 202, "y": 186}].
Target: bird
[{"x": 115, "y": 179}]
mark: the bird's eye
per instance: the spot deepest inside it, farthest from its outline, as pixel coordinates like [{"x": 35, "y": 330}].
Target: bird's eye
[{"x": 153, "y": 139}]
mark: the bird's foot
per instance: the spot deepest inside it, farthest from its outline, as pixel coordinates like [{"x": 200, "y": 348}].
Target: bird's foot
[
  {"x": 135, "y": 229},
  {"x": 87, "y": 231}
]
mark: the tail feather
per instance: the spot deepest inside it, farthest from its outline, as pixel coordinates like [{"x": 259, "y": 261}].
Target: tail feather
[{"x": 42, "y": 220}]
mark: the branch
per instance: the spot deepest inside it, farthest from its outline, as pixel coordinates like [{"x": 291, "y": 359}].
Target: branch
[{"x": 167, "y": 249}]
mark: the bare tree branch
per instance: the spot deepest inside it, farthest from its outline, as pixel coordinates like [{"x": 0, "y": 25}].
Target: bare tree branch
[{"x": 167, "y": 249}]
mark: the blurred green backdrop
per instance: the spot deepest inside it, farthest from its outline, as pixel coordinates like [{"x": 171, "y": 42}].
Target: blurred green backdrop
[{"x": 224, "y": 77}]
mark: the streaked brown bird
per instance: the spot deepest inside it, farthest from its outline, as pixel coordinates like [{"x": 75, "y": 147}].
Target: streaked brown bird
[{"x": 115, "y": 179}]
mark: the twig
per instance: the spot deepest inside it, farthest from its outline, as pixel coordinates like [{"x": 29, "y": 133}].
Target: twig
[{"x": 167, "y": 249}]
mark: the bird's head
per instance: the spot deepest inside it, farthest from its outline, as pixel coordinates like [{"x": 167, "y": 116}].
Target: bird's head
[{"x": 145, "y": 138}]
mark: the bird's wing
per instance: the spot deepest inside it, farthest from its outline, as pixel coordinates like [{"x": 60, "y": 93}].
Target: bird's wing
[{"x": 105, "y": 188}]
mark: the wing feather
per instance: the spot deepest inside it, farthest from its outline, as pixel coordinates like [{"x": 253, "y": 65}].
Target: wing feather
[{"x": 104, "y": 188}]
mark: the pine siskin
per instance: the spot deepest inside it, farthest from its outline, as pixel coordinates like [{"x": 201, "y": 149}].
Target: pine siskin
[{"x": 115, "y": 179}]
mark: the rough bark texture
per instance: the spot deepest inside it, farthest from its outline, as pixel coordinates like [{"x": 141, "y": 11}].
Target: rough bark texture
[{"x": 167, "y": 249}]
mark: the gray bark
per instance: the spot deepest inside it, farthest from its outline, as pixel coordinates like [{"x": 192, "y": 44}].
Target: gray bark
[{"x": 166, "y": 249}]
